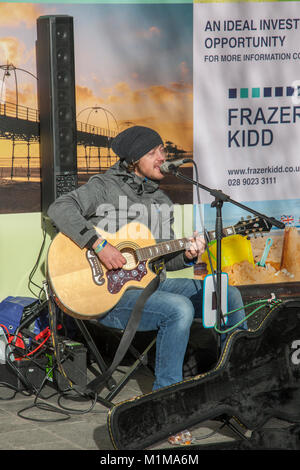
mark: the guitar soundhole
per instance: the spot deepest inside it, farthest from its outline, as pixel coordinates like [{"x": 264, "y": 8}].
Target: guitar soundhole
[{"x": 131, "y": 259}]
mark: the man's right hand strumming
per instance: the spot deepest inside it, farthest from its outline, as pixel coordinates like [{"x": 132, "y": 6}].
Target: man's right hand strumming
[{"x": 110, "y": 256}]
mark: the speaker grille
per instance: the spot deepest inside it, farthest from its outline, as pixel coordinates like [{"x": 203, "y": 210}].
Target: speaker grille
[{"x": 56, "y": 95}]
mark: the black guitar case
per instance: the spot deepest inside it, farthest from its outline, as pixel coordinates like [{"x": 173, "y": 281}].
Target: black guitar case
[{"x": 256, "y": 378}]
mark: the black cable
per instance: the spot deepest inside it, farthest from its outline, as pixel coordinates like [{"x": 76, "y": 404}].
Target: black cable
[
  {"x": 60, "y": 409},
  {"x": 10, "y": 386},
  {"x": 35, "y": 267},
  {"x": 19, "y": 354},
  {"x": 43, "y": 406},
  {"x": 31, "y": 389},
  {"x": 53, "y": 330},
  {"x": 17, "y": 371},
  {"x": 71, "y": 410}
]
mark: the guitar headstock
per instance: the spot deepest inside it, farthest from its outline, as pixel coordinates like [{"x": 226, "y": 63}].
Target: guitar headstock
[{"x": 254, "y": 225}]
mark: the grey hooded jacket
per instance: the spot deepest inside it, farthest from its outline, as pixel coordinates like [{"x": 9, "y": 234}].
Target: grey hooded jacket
[{"x": 111, "y": 200}]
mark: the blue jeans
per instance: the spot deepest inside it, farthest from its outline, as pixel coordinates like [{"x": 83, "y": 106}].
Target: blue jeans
[{"x": 170, "y": 310}]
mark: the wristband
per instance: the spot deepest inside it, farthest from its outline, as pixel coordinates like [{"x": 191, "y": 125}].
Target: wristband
[{"x": 100, "y": 246}]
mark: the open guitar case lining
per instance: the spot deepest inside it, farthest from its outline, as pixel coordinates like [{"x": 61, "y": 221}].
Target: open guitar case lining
[{"x": 255, "y": 379}]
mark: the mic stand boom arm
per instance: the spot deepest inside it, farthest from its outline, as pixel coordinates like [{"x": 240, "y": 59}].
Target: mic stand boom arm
[{"x": 220, "y": 198}]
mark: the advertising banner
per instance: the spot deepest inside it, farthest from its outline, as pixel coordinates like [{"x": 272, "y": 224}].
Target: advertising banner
[{"x": 246, "y": 127}]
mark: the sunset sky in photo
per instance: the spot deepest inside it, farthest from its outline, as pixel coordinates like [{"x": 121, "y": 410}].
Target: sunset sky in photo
[{"x": 134, "y": 60}]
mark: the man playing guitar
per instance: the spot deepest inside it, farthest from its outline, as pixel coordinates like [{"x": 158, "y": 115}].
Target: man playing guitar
[{"x": 114, "y": 199}]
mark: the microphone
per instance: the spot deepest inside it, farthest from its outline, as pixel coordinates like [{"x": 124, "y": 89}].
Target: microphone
[{"x": 168, "y": 166}]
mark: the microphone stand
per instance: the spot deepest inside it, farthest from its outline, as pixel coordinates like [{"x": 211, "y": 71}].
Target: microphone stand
[{"x": 220, "y": 198}]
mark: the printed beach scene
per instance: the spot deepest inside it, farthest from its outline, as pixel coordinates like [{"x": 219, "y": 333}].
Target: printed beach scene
[{"x": 146, "y": 79}]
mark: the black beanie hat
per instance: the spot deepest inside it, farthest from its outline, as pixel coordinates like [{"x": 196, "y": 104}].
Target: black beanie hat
[{"x": 130, "y": 145}]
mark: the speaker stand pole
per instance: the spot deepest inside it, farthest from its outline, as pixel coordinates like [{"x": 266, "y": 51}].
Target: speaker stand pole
[{"x": 218, "y": 204}]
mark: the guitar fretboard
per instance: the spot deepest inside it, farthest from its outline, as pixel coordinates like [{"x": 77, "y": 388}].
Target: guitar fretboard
[
  {"x": 171, "y": 246},
  {"x": 161, "y": 249}
]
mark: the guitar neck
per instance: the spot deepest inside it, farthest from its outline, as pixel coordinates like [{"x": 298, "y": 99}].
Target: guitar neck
[
  {"x": 173, "y": 246},
  {"x": 161, "y": 249}
]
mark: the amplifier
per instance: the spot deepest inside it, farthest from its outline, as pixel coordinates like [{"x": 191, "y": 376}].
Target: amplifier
[
  {"x": 74, "y": 365},
  {"x": 26, "y": 374}
]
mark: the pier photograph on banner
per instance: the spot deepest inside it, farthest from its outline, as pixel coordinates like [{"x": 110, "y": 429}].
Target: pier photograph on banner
[
  {"x": 145, "y": 79},
  {"x": 247, "y": 132}
]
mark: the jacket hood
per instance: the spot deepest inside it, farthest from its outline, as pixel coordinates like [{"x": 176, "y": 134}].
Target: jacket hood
[{"x": 138, "y": 184}]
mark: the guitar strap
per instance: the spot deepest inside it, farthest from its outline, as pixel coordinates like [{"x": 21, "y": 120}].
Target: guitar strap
[{"x": 129, "y": 332}]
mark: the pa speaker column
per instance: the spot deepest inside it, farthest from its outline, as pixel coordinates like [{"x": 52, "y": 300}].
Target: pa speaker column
[{"x": 56, "y": 97}]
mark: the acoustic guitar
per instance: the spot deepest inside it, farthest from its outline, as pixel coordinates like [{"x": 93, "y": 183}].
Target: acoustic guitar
[{"x": 85, "y": 289}]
